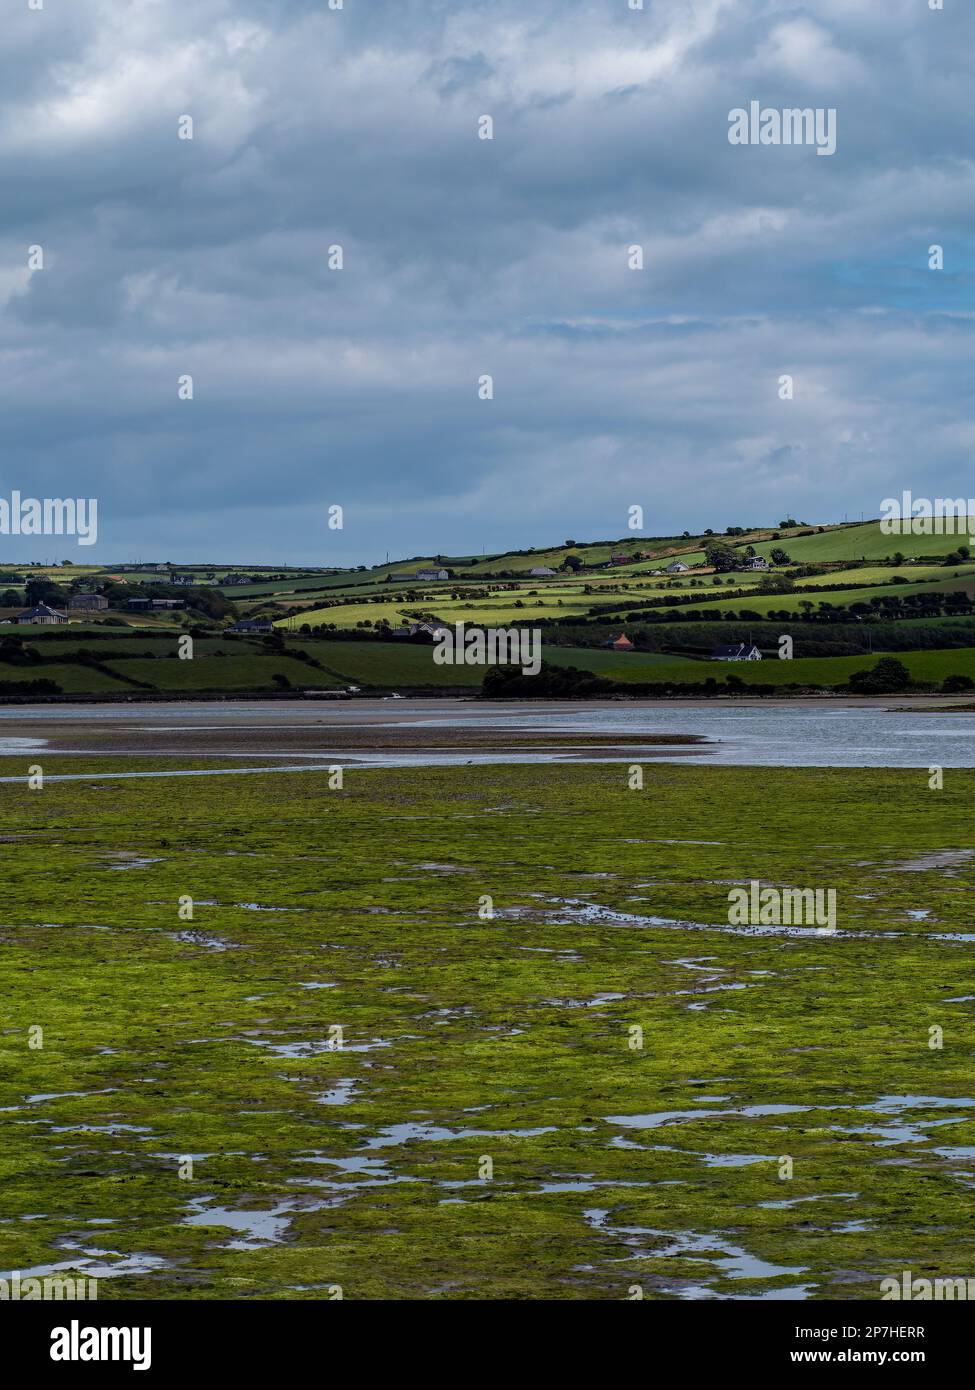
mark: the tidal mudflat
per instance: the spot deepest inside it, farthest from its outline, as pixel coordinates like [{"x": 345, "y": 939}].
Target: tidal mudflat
[{"x": 350, "y": 1069}]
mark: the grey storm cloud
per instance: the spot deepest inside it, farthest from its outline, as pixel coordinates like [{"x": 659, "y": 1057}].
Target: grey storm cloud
[{"x": 358, "y": 127}]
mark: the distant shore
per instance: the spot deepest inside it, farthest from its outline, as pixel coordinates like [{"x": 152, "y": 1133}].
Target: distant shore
[{"x": 443, "y": 695}]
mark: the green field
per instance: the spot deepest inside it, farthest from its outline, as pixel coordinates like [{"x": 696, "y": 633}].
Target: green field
[
  {"x": 812, "y": 671},
  {"x": 863, "y": 542},
  {"x": 252, "y": 671},
  {"x": 487, "y": 1123},
  {"x": 883, "y": 574},
  {"x": 240, "y": 665},
  {"x": 838, "y": 598},
  {"x": 497, "y": 611},
  {"x": 74, "y": 680},
  {"x": 388, "y": 664}
]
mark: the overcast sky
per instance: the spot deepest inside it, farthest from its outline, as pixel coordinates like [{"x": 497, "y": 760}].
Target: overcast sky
[{"x": 358, "y": 127}]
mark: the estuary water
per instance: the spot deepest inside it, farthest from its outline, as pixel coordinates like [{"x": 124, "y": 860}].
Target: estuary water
[
  {"x": 777, "y": 736},
  {"x": 810, "y": 733}
]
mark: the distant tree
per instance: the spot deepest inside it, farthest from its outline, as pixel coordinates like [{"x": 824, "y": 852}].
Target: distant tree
[
  {"x": 43, "y": 591},
  {"x": 210, "y": 602},
  {"x": 775, "y": 584},
  {"x": 779, "y": 557},
  {"x": 572, "y": 562},
  {"x": 720, "y": 557},
  {"x": 507, "y": 682},
  {"x": 888, "y": 675}
]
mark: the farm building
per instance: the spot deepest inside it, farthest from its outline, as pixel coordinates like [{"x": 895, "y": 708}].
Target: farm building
[
  {"x": 402, "y": 577},
  {"x": 738, "y": 651},
  {"x": 756, "y": 562},
  {"x": 620, "y": 644},
  {"x": 677, "y": 567},
  {"x": 251, "y": 625},
  {"x": 88, "y": 602},
  {"x": 541, "y": 572}
]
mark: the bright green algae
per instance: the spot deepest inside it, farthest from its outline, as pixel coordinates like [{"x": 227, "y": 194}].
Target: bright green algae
[{"x": 468, "y": 1038}]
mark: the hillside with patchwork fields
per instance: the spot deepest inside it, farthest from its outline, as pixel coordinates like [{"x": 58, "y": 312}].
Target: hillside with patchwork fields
[{"x": 812, "y": 605}]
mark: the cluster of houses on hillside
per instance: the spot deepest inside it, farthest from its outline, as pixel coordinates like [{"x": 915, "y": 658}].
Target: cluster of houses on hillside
[
  {"x": 754, "y": 562},
  {"x": 44, "y": 614},
  {"x": 80, "y": 603}
]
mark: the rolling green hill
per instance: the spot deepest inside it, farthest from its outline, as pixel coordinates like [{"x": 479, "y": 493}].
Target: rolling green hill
[{"x": 860, "y": 542}]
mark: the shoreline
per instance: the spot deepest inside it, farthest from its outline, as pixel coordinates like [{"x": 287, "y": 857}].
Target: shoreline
[{"x": 895, "y": 703}]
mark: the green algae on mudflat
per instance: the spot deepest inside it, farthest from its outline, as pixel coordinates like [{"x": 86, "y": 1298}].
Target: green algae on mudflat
[{"x": 475, "y": 1043}]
